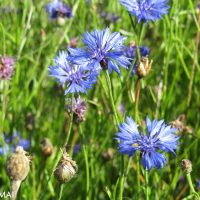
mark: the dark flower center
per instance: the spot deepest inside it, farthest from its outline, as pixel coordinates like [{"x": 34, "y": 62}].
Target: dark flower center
[{"x": 104, "y": 64}]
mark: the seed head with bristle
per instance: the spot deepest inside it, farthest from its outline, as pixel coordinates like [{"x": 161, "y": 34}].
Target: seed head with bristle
[
  {"x": 66, "y": 168},
  {"x": 17, "y": 167}
]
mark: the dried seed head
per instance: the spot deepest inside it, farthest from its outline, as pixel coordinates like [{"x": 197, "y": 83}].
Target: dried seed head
[
  {"x": 17, "y": 167},
  {"x": 179, "y": 123},
  {"x": 108, "y": 155},
  {"x": 143, "y": 67},
  {"x": 66, "y": 168},
  {"x": 30, "y": 121},
  {"x": 46, "y": 147},
  {"x": 186, "y": 166}
]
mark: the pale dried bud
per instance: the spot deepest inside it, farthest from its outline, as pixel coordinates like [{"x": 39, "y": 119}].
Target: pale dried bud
[
  {"x": 144, "y": 66},
  {"x": 186, "y": 166},
  {"x": 17, "y": 167},
  {"x": 179, "y": 123},
  {"x": 46, "y": 147},
  {"x": 61, "y": 21},
  {"x": 66, "y": 168}
]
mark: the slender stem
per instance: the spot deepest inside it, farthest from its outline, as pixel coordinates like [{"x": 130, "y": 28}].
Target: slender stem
[
  {"x": 147, "y": 184},
  {"x": 137, "y": 96},
  {"x": 85, "y": 153},
  {"x": 70, "y": 123},
  {"x": 111, "y": 96},
  {"x": 117, "y": 123},
  {"x": 60, "y": 191},
  {"x": 188, "y": 176}
]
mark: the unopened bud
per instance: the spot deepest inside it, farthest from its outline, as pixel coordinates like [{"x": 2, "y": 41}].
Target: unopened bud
[
  {"x": 46, "y": 147},
  {"x": 186, "y": 166},
  {"x": 144, "y": 66},
  {"x": 17, "y": 167},
  {"x": 66, "y": 168},
  {"x": 61, "y": 21}
]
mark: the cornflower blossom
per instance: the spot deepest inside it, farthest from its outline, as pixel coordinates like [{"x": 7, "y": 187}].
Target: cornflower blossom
[
  {"x": 6, "y": 67},
  {"x": 146, "y": 10},
  {"x": 57, "y": 9},
  {"x": 12, "y": 142},
  {"x": 160, "y": 138},
  {"x": 102, "y": 51},
  {"x": 131, "y": 53},
  {"x": 76, "y": 78}
]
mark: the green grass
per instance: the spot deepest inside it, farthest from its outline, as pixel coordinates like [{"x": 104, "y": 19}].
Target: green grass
[{"x": 174, "y": 52}]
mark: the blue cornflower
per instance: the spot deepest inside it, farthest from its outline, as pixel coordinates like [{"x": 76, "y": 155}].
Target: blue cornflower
[
  {"x": 102, "y": 51},
  {"x": 131, "y": 53},
  {"x": 146, "y": 10},
  {"x": 58, "y": 9},
  {"x": 76, "y": 77},
  {"x": 12, "y": 142},
  {"x": 159, "y": 138}
]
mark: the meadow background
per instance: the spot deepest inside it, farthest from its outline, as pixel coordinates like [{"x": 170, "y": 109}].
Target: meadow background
[{"x": 34, "y": 104}]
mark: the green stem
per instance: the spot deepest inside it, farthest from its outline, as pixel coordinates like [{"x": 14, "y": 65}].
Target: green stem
[
  {"x": 147, "y": 184},
  {"x": 85, "y": 153},
  {"x": 188, "y": 176},
  {"x": 60, "y": 191},
  {"x": 111, "y": 96},
  {"x": 117, "y": 123},
  {"x": 137, "y": 97}
]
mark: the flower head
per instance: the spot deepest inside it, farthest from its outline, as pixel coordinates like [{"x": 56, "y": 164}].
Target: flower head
[
  {"x": 66, "y": 169},
  {"x": 6, "y": 67},
  {"x": 11, "y": 143},
  {"x": 146, "y": 10},
  {"x": 75, "y": 77},
  {"x": 102, "y": 51},
  {"x": 131, "y": 53},
  {"x": 159, "y": 138},
  {"x": 79, "y": 109},
  {"x": 57, "y": 9}
]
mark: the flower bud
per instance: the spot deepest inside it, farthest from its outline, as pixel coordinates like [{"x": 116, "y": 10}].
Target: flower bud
[
  {"x": 6, "y": 67},
  {"x": 186, "y": 166},
  {"x": 143, "y": 67},
  {"x": 46, "y": 147},
  {"x": 66, "y": 168},
  {"x": 17, "y": 167},
  {"x": 79, "y": 109},
  {"x": 61, "y": 21}
]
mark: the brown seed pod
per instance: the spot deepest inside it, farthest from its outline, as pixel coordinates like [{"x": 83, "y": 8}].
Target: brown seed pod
[
  {"x": 66, "y": 168},
  {"x": 46, "y": 147},
  {"x": 186, "y": 166},
  {"x": 17, "y": 167},
  {"x": 143, "y": 67}
]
